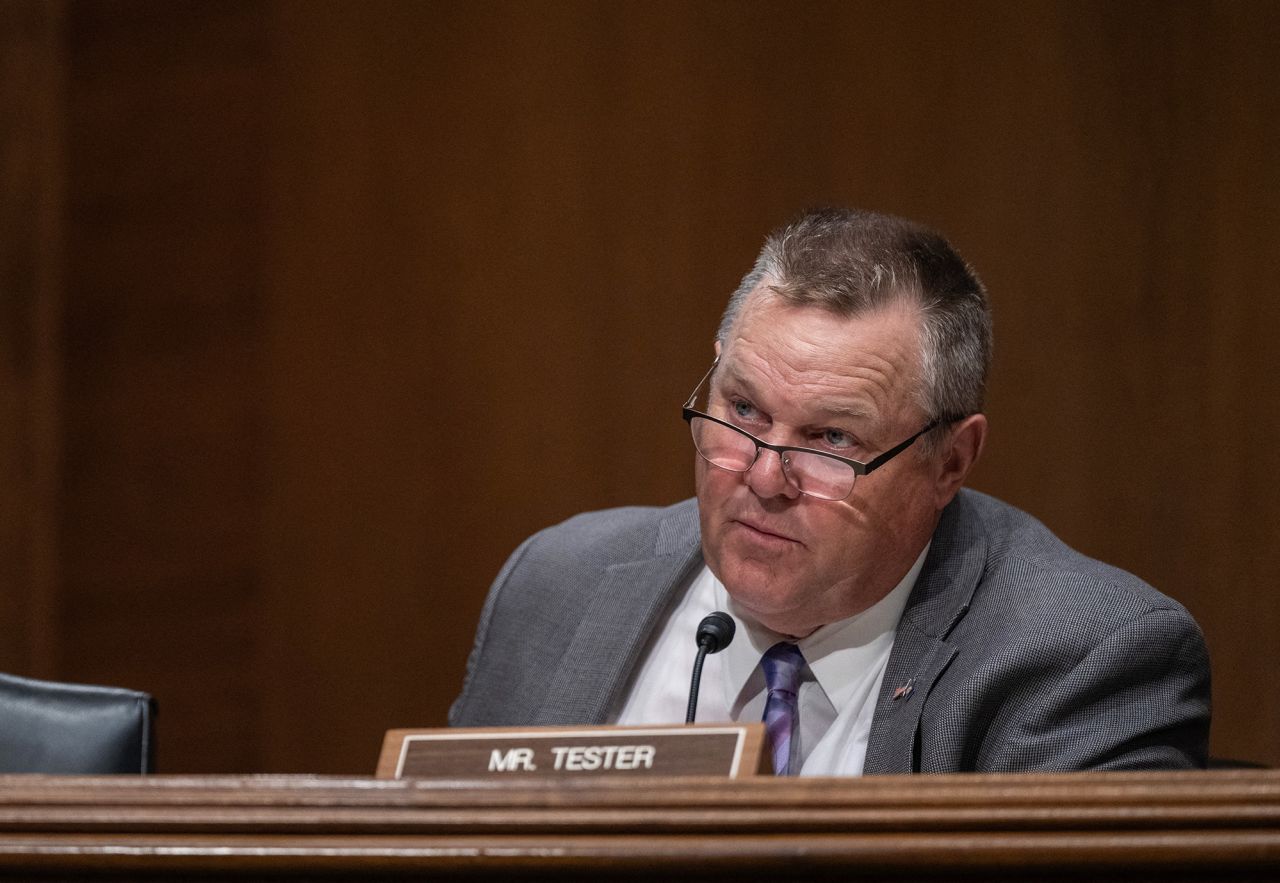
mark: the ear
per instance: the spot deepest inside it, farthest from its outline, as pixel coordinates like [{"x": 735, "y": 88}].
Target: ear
[
  {"x": 717, "y": 346},
  {"x": 963, "y": 447}
]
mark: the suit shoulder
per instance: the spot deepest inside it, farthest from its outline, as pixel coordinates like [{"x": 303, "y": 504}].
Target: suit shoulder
[
  {"x": 1056, "y": 661},
  {"x": 617, "y": 535},
  {"x": 1027, "y": 560}
]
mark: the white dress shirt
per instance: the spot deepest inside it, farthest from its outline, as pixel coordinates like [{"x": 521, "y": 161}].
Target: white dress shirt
[{"x": 846, "y": 662}]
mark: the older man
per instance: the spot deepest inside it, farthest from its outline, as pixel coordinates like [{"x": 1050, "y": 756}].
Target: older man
[{"x": 889, "y": 621}]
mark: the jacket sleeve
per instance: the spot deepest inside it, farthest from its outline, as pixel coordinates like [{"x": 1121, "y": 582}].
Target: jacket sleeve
[
  {"x": 468, "y": 709},
  {"x": 1137, "y": 700}
]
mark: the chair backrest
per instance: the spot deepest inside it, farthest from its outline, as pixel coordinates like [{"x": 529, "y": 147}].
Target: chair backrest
[{"x": 48, "y": 727}]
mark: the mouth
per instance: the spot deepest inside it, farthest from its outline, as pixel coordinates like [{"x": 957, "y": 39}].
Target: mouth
[{"x": 762, "y": 533}]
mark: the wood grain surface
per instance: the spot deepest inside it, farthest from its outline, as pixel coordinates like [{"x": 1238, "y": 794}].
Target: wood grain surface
[{"x": 1106, "y": 826}]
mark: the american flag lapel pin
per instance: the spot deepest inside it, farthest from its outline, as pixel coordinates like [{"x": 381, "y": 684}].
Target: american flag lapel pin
[{"x": 905, "y": 690}]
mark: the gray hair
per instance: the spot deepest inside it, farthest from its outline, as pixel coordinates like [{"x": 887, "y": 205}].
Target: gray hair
[{"x": 854, "y": 263}]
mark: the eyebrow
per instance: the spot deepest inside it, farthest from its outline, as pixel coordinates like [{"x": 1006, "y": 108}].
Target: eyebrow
[
  {"x": 819, "y": 410},
  {"x": 849, "y": 411}
]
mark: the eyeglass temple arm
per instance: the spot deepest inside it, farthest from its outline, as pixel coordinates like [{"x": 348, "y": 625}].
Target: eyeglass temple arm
[
  {"x": 898, "y": 449},
  {"x": 693, "y": 395}
]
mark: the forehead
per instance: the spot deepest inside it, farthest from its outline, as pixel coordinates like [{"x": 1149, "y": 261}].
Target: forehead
[{"x": 868, "y": 362}]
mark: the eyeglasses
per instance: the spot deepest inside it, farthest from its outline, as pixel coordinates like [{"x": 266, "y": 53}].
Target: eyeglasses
[{"x": 814, "y": 473}]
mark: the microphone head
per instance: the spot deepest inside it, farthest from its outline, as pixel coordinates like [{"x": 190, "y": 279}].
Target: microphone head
[{"x": 715, "y": 631}]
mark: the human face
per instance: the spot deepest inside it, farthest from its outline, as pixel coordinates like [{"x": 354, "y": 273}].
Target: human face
[{"x": 800, "y": 375}]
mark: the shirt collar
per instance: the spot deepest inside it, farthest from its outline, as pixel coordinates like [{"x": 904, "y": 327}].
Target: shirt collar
[{"x": 835, "y": 652}]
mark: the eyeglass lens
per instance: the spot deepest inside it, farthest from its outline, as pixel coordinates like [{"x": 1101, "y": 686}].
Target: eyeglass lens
[{"x": 735, "y": 451}]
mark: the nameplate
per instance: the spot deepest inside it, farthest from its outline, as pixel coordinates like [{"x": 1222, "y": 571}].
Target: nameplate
[{"x": 732, "y": 750}]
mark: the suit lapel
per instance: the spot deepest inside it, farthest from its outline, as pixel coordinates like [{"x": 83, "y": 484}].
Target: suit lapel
[
  {"x": 625, "y": 609},
  {"x": 920, "y": 652}
]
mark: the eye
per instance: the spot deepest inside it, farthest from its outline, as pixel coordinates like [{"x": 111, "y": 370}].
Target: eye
[
  {"x": 837, "y": 439},
  {"x": 743, "y": 411}
]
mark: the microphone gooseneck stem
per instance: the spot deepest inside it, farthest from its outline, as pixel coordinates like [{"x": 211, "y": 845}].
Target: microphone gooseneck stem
[{"x": 703, "y": 647}]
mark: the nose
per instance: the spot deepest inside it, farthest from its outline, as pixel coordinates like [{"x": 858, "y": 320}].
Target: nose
[{"x": 768, "y": 477}]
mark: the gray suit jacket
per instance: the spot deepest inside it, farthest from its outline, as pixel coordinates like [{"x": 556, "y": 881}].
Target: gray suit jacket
[{"x": 1022, "y": 654}]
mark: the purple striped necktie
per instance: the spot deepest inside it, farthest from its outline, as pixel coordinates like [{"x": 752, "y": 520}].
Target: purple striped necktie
[{"x": 782, "y": 664}]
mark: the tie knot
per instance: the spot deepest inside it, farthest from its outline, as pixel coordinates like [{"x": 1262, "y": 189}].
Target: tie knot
[{"x": 782, "y": 664}]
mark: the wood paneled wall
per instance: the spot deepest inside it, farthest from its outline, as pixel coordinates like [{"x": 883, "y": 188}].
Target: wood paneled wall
[
  {"x": 31, "y": 279},
  {"x": 351, "y": 297}
]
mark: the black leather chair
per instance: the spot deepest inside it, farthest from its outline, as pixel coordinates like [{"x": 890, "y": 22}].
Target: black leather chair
[{"x": 48, "y": 727}]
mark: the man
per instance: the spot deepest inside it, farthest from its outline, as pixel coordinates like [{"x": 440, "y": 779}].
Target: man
[{"x": 887, "y": 620}]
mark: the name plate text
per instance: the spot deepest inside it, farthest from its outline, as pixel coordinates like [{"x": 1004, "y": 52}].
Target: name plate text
[{"x": 730, "y": 750}]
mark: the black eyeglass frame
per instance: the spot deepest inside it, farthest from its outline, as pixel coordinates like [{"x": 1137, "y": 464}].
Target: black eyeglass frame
[{"x": 688, "y": 412}]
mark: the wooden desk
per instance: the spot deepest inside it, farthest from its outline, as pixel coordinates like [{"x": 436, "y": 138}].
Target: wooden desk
[{"x": 1086, "y": 826}]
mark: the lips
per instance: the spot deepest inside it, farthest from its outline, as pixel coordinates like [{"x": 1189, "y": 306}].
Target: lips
[{"x": 767, "y": 533}]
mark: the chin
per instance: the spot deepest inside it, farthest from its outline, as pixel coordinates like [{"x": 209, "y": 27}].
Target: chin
[{"x": 757, "y": 591}]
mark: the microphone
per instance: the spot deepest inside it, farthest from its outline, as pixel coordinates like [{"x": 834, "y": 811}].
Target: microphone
[{"x": 714, "y": 634}]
